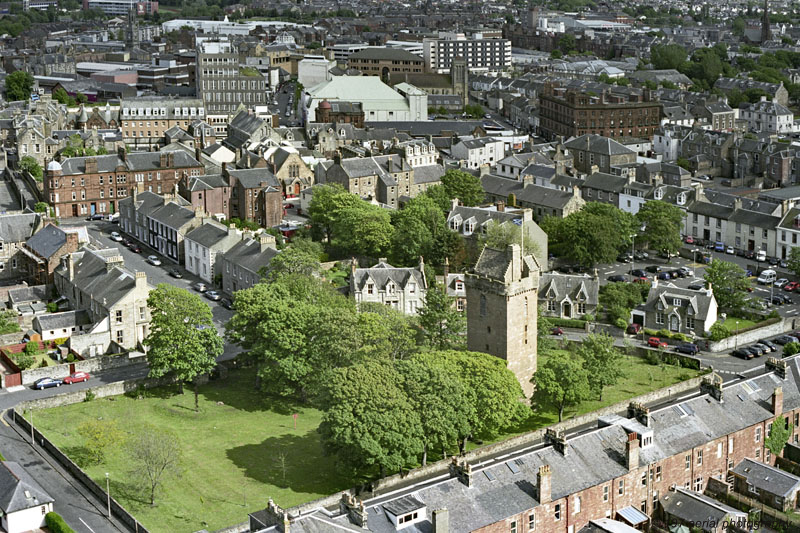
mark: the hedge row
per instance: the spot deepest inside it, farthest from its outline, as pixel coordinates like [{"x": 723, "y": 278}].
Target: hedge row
[
  {"x": 568, "y": 322},
  {"x": 56, "y": 524},
  {"x": 665, "y": 333}
]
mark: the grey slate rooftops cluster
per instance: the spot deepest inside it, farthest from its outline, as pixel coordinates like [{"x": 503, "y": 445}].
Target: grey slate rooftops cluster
[
  {"x": 93, "y": 275},
  {"x": 383, "y": 272},
  {"x": 689, "y": 506},
  {"x": 560, "y": 286},
  {"x": 18, "y": 227},
  {"x": 768, "y": 478},
  {"x": 247, "y": 254},
  {"x": 47, "y": 241},
  {"x": 598, "y": 145},
  {"x": 140, "y": 161}
]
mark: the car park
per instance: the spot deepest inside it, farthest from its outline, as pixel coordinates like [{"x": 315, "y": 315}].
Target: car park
[
  {"x": 153, "y": 260},
  {"x": 556, "y": 331},
  {"x": 213, "y": 295},
  {"x": 616, "y": 278},
  {"x": 76, "y": 377},
  {"x": 687, "y": 348},
  {"x": 175, "y": 273},
  {"x": 200, "y": 286},
  {"x": 116, "y": 237},
  {"x": 741, "y": 352},
  {"x": 655, "y": 342},
  {"x": 791, "y": 286},
  {"x": 46, "y": 383},
  {"x": 769, "y": 344}
]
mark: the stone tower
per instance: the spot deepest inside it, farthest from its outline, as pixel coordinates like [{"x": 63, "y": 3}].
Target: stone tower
[
  {"x": 459, "y": 75},
  {"x": 502, "y": 304},
  {"x": 766, "y": 33},
  {"x": 132, "y": 30}
]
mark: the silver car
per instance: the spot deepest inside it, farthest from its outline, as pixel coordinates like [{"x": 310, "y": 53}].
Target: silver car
[{"x": 153, "y": 260}]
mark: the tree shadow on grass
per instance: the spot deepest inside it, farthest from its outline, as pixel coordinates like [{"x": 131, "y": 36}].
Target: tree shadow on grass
[
  {"x": 80, "y": 455},
  {"x": 241, "y": 394},
  {"x": 303, "y": 469},
  {"x": 130, "y": 491}
]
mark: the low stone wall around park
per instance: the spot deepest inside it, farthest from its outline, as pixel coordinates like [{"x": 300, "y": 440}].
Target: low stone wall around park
[
  {"x": 477, "y": 455},
  {"x": 749, "y": 337},
  {"x": 95, "y": 364}
]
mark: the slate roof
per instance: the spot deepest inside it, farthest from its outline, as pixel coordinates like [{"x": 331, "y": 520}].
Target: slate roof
[
  {"x": 383, "y": 272},
  {"x": 65, "y": 320},
  {"x": 694, "y": 507},
  {"x": 47, "y": 241},
  {"x": 207, "y": 182},
  {"x": 598, "y": 145},
  {"x": 428, "y": 174},
  {"x": 18, "y": 227},
  {"x": 606, "y": 182},
  {"x": 768, "y": 478},
  {"x": 480, "y": 215},
  {"x": 252, "y": 178},
  {"x": 666, "y": 294},
  {"x": 526, "y": 194},
  {"x": 213, "y": 235},
  {"x": 436, "y": 128},
  {"x": 557, "y": 286},
  {"x": 139, "y": 161},
  {"x": 18, "y": 490},
  {"x": 247, "y": 254},
  {"x": 495, "y": 264},
  {"x": 92, "y": 275},
  {"x": 36, "y": 293},
  {"x": 173, "y": 215}
]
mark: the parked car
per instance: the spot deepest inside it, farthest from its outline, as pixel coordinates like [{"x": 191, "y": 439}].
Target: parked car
[
  {"x": 175, "y": 273},
  {"x": 200, "y": 286},
  {"x": 638, "y": 273},
  {"x": 213, "y": 296},
  {"x": 556, "y": 331},
  {"x": 686, "y": 270},
  {"x": 769, "y": 344},
  {"x": 664, "y": 275},
  {"x": 776, "y": 300},
  {"x": 785, "y": 298},
  {"x": 756, "y": 349},
  {"x": 767, "y": 277},
  {"x": 719, "y": 246},
  {"x": 689, "y": 239},
  {"x": 616, "y": 278},
  {"x": 116, "y": 237},
  {"x": 791, "y": 286},
  {"x": 730, "y": 250},
  {"x": 623, "y": 258},
  {"x": 761, "y": 256},
  {"x": 46, "y": 383},
  {"x": 678, "y": 274},
  {"x": 783, "y": 263},
  {"x": 96, "y": 216},
  {"x": 784, "y": 339},
  {"x": 750, "y": 254},
  {"x": 227, "y": 304},
  {"x": 655, "y": 342},
  {"x": 773, "y": 261},
  {"x": 687, "y": 348},
  {"x": 763, "y": 347},
  {"x": 153, "y": 260},
  {"x": 655, "y": 269},
  {"x": 76, "y": 377},
  {"x": 135, "y": 248},
  {"x": 640, "y": 255},
  {"x": 744, "y": 354},
  {"x": 634, "y": 328},
  {"x": 696, "y": 287}
]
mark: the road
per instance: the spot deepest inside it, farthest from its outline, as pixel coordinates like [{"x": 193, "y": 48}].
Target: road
[
  {"x": 99, "y": 233},
  {"x": 283, "y": 105}
]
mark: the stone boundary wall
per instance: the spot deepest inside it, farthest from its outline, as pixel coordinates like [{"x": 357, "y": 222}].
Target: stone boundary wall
[
  {"x": 441, "y": 467},
  {"x": 749, "y": 337},
  {"x": 94, "y": 364},
  {"x": 243, "y": 527}
]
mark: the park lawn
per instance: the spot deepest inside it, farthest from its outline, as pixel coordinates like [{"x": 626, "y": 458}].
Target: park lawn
[
  {"x": 640, "y": 379},
  {"x": 730, "y": 323},
  {"x": 229, "y": 453}
]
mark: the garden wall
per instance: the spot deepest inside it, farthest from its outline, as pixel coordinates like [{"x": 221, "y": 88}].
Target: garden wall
[
  {"x": 95, "y": 364},
  {"x": 748, "y": 337},
  {"x": 441, "y": 468}
]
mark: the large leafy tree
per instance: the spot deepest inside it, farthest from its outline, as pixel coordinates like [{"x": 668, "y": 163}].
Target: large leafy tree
[
  {"x": 562, "y": 381},
  {"x": 363, "y": 229},
  {"x": 464, "y": 186},
  {"x": 794, "y": 260},
  {"x": 300, "y": 257},
  {"x": 662, "y": 225},
  {"x": 491, "y": 390},
  {"x": 155, "y": 455},
  {"x": 419, "y": 230},
  {"x": 326, "y": 203},
  {"x": 296, "y": 329},
  {"x": 182, "y": 341},
  {"x": 32, "y": 166},
  {"x": 729, "y": 283},
  {"x": 595, "y": 234},
  {"x": 442, "y": 325},
  {"x": 438, "y": 399},
  {"x": 602, "y": 361},
  {"x": 19, "y": 85},
  {"x": 384, "y": 333},
  {"x": 667, "y": 56},
  {"x": 619, "y": 298},
  {"x": 780, "y": 432},
  {"x": 369, "y": 421}
]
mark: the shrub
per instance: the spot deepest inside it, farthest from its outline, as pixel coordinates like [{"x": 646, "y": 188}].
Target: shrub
[
  {"x": 791, "y": 348},
  {"x": 52, "y": 307},
  {"x": 687, "y": 362},
  {"x": 24, "y": 361},
  {"x": 719, "y": 332},
  {"x": 664, "y": 333},
  {"x": 90, "y": 395},
  {"x": 588, "y": 317},
  {"x": 71, "y": 358},
  {"x": 681, "y": 337},
  {"x": 61, "y": 340},
  {"x": 620, "y": 323},
  {"x": 56, "y": 524},
  {"x": 652, "y": 358},
  {"x": 43, "y": 363},
  {"x": 31, "y": 347}
]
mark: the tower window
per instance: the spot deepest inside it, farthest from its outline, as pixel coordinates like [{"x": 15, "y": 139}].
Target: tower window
[{"x": 483, "y": 305}]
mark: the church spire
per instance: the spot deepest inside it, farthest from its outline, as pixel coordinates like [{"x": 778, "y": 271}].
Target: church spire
[{"x": 766, "y": 34}]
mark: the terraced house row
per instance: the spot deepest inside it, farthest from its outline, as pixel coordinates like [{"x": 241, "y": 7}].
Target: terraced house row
[{"x": 627, "y": 468}]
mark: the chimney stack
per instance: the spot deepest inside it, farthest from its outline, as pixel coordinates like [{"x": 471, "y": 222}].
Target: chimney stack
[
  {"x": 441, "y": 521},
  {"x": 632, "y": 452},
  {"x": 70, "y": 267},
  {"x": 122, "y": 153},
  {"x": 266, "y": 241},
  {"x": 543, "y": 481},
  {"x": 141, "y": 280},
  {"x": 354, "y": 508},
  {"x": 558, "y": 439},
  {"x": 712, "y": 385},
  {"x": 446, "y": 268},
  {"x": 462, "y": 471},
  {"x": 639, "y": 412},
  {"x": 778, "y": 365},
  {"x": 777, "y": 401},
  {"x": 501, "y": 206}
]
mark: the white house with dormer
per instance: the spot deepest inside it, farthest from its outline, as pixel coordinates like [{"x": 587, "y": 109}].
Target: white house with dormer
[
  {"x": 567, "y": 295},
  {"x": 677, "y": 309},
  {"x": 402, "y": 289}
]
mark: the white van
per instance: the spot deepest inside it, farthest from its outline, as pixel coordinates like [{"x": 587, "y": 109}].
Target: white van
[
  {"x": 766, "y": 277},
  {"x": 112, "y": 217},
  {"x": 761, "y": 256}
]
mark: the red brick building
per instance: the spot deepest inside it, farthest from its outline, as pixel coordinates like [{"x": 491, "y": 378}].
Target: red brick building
[
  {"x": 82, "y": 186},
  {"x": 613, "y": 112},
  {"x": 620, "y": 468}
]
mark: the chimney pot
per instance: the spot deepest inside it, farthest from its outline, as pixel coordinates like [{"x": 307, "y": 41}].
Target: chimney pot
[
  {"x": 777, "y": 401},
  {"x": 543, "y": 484}
]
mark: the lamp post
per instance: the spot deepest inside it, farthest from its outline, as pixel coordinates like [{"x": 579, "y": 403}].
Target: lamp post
[
  {"x": 32, "y": 440},
  {"x": 736, "y": 339},
  {"x": 108, "y": 494},
  {"x": 633, "y": 254}
]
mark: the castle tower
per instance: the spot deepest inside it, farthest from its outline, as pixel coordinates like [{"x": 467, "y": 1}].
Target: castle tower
[
  {"x": 502, "y": 304},
  {"x": 459, "y": 74},
  {"x": 766, "y": 34}
]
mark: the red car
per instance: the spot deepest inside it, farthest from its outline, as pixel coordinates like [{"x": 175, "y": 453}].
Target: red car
[
  {"x": 655, "y": 342},
  {"x": 791, "y": 286},
  {"x": 688, "y": 240},
  {"x": 634, "y": 328},
  {"x": 557, "y": 331},
  {"x": 77, "y": 377}
]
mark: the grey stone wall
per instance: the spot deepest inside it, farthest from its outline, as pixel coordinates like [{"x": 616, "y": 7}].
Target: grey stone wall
[
  {"x": 96, "y": 364},
  {"x": 749, "y": 337}
]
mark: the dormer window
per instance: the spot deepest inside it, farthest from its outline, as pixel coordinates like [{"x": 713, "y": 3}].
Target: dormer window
[
  {"x": 459, "y": 285},
  {"x": 676, "y": 302},
  {"x": 391, "y": 288},
  {"x": 370, "y": 288},
  {"x": 659, "y": 194},
  {"x": 681, "y": 198},
  {"x": 660, "y": 306},
  {"x": 454, "y": 224}
]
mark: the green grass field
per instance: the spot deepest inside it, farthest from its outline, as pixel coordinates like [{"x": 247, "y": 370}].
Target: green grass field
[
  {"x": 230, "y": 451},
  {"x": 730, "y": 323}
]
